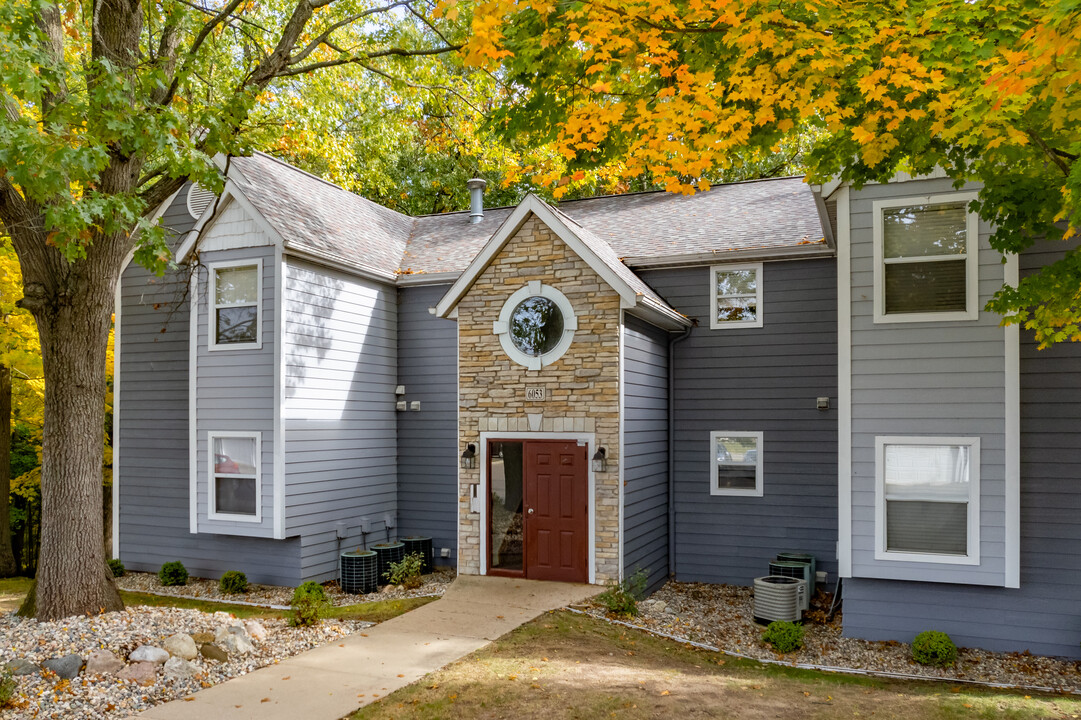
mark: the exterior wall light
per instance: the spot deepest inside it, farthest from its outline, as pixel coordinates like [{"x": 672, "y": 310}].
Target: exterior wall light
[
  {"x": 600, "y": 463},
  {"x": 469, "y": 457}
]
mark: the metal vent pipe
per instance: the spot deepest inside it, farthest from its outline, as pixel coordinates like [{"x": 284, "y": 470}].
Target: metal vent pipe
[{"x": 476, "y": 199}]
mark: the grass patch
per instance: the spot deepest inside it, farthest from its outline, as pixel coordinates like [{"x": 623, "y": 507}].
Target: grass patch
[
  {"x": 241, "y": 611},
  {"x": 378, "y": 611},
  {"x": 564, "y": 665},
  {"x": 15, "y": 586},
  {"x": 375, "y": 612}
]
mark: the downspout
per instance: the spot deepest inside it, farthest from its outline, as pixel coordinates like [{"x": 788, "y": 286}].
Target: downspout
[{"x": 672, "y": 450}]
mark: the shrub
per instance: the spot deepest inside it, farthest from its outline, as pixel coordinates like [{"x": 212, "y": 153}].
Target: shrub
[
  {"x": 932, "y": 647},
  {"x": 622, "y": 598},
  {"x": 309, "y": 604},
  {"x": 407, "y": 572},
  {"x": 8, "y": 686},
  {"x": 117, "y": 567},
  {"x": 233, "y": 582},
  {"x": 784, "y": 636},
  {"x": 173, "y": 573}
]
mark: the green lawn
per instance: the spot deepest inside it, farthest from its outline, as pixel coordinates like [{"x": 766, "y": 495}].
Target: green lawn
[
  {"x": 564, "y": 665},
  {"x": 376, "y": 612}
]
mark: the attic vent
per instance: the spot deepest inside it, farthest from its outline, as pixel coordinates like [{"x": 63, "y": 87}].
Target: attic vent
[{"x": 199, "y": 199}]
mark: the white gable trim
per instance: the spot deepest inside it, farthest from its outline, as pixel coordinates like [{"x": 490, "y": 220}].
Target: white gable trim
[
  {"x": 535, "y": 206},
  {"x": 212, "y": 213}
]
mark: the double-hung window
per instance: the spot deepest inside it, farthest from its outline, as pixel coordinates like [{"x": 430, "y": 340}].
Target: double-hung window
[
  {"x": 236, "y": 310},
  {"x": 735, "y": 463},
  {"x": 736, "y": 295},
  {"x": 928, "y": 493},
  {"x": 234, "y": 491},
  {"x": 926, "y": 265}
]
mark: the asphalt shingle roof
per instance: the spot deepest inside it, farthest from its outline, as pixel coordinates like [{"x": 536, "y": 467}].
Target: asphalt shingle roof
[
  {"x": 758, "y": 215},
  {"x": 318, "y": 216},
  {"x": 312, "y": 214}
]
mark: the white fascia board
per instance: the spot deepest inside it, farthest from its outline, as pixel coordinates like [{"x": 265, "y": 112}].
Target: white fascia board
[
  {"x": 505, "y": 231},
  {"x": 532, "y": 205},
  {"x": 435, "y": 278},
  {"x": 336, "y": 262},
  {"x": 803, "y": 252},
  {"x": 662, "y": 317},
  {"x": 231, "y": 193},
  {"x": 831, "y": 186}
]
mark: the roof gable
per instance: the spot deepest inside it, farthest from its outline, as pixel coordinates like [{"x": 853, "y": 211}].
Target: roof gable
[{"x": 634, "y": 293}]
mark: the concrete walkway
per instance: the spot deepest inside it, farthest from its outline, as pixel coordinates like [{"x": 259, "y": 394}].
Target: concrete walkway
[{"x": 331, "y": 681}]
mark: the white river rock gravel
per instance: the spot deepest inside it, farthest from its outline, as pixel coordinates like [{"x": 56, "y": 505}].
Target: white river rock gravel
[
  {"x": 721, "y": 616},
  {"x": 107, "y": 696}
]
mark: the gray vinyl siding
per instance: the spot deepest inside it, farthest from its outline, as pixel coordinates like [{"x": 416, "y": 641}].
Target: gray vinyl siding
[
  {"x": 340, "y": 372},
  {"x": 1040, "y": 616},
  {"x": 427, "y": 439},
  {"x": 925, "y": 379},
  {"x": 756, "y": 379},
  {"x": 236, "y": 392},
  {"x": 645, "y": 451},
  {"x": 151, "y": 462}
]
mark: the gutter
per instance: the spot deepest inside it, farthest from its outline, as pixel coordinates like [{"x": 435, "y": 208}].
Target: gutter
[{"x": 672, "y": 449}]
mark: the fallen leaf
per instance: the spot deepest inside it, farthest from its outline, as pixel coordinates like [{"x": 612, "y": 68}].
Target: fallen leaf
[
  {"x": 401, "y": 675},
  {"x": 968, "y": 705},
  {"x": 665, "y": 692},
  {"x": 189, "y": 699},
  {"x": 287, "y": 677},
  {"x": 806, "y": 694},
  {"x": 265, "y": 700}
]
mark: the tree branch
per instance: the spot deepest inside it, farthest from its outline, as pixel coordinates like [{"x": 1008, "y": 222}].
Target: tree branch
[
  {"x": 1057, "y": 157},
  {"x": 51, "y": 25},
  {"x": 325, "y": 35},
  {"x": 430, "y": 88},
  {"x": 204, "y": 33},
  {"x": 361, "y": 60}
]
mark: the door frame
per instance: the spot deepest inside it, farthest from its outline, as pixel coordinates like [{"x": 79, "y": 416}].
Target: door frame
[{"x": 589, "y": 440}]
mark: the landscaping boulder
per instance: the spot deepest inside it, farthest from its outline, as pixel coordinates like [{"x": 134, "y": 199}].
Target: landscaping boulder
[
  {"x": 201, "y": 638},
  {"x": 181, "y": 646},
  {"x": 144, "y": 673},
  {"x": 103, "y": 662},
  {"x": 148, "y": 653},
  {"x": 21, "y": 666},
  {"x": 234, "y": 640},
  {"x": 255, "y": 630},
  {"x": 212, "y": 652},
  {"x": 66, "y": 667},
  {"x": 180, "y": 669}
]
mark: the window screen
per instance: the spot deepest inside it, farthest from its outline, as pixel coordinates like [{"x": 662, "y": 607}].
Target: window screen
[
  {"x": 236, "y": 305},
  {"x": 235, "y": 475},
  {"x": 925, "y": 253},
  {"x": 928, "y": 490}
]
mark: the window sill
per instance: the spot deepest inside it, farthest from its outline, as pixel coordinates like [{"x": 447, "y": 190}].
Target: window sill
[{"x": 914, "y": 557}]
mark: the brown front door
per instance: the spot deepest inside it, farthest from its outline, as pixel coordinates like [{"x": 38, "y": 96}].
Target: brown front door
[{"x": 556, "y": 504}]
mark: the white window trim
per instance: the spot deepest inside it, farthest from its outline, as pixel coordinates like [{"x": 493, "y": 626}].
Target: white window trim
[
  {"x": 212, "y": 305},
  {"x": 972, "y": 261},
  {"x": 501, "y": 327},
  {"x": 973, "y": 556},
  {"x": 758, "y": 483},
  {"x": 211, "y": 497},
  {"x": 714, "y": 323}
]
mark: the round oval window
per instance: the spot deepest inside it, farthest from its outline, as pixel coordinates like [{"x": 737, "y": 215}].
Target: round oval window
[{"x": 536, "y": 326}]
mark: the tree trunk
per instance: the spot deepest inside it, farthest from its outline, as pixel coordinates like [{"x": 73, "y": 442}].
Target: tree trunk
[
  {"x": 73, "y": 322},
  {"x": 8, "y": 567}
]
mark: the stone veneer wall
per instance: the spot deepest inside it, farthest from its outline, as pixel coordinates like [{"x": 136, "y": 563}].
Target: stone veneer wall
[{"x": 582, "y": 387}]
